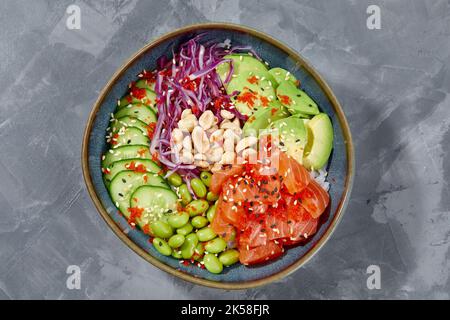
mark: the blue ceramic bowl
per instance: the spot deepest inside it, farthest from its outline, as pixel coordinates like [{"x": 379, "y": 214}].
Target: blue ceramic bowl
[{"x": 277, "y": 54}]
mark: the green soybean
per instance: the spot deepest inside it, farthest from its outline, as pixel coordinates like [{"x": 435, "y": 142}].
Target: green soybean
[
  {"x": 177, "y": 254},
  {"x": 197, "y": 207},
  {"x": 176, "y": 240},
  {"x": 186, "y": 229},
  {"x": 188, "y": 247},
  {"x": 199, "y": 222},
  {"x": 175, "y": 179},
  {"x": 198, "y": 187},
  {"x": 161, "y": 229},
  {"x": 211, "y": 212},
  {"x": 229, "y": 257},
  {"x": 184, "y": 194},
  {"x": 211, "y": 196},
  {"x": 206, "y": 234},
  {"x": 216, "y": 245},
  {"x": 178, "y": 220},
  {"x": 162, "y": 246},
  {"x": 199, "y": 251},
  {"x": 206, "y": 176},
  {"x": 212, "y": 263}
]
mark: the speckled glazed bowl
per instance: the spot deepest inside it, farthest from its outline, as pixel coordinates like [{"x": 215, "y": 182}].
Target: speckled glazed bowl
[{"x": 340, "y": 168}]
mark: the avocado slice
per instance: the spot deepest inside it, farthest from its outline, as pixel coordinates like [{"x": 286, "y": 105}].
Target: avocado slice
[
  {"x": 295, "y": 99},
  {"x": 264, "y": 116},
  {"x": 254, "y": 91},
  {"x": 293, "y": 136},
  {"x": 280, "y": 74},
  {"x": 243, "y": 63},
  {"x": 320, "y": 141}
]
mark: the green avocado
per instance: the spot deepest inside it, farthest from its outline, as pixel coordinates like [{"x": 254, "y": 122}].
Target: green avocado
[
  {"x": 320, "y": 142},
  {"x": 264, "y": 116},
  {"x": 280, "y": 74},
  {"x": 254, "y": 91},
  {"x": 293, "y": 136},
  {"x": 295, "y": 99},
  {"x": 244, "y": 63}
]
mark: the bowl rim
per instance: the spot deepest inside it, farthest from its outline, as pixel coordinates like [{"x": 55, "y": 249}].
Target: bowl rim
[{"x": 154, "y": 261}]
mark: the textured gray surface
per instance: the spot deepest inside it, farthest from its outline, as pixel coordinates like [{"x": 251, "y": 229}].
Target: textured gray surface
[{"x": 393, "y": 84}]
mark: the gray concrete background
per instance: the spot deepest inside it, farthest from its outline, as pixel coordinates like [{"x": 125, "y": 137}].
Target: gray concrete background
[{"x": 393, "y": 84}]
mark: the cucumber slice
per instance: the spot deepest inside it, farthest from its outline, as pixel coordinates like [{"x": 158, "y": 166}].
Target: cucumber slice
[
  {"x": 126, "y": 182},
  {"x": 157, "y": 202},
  {"x": 149, "y": 99},
  {"x": 139, "y": 111},
  {"x": 145, "y": 84},
  {"x": 127, "y": 137},
  {"x": 128, "y": 164},
  {"x": 125, "y": 152},
  {"x": 127, "y": 122}
]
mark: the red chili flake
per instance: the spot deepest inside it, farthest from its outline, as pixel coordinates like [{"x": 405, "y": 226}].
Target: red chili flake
[
  {"x": 151, "y": 129},
  {"x": 135, "y": 212},
  {"x": 138, "y": 93},
  {"x": 145, "y": 179},
  {"x": 195, "y": 109},
  {"x": 190, "y": 84},
  {"x": 114, "y": 138},
  {"x": 248, "y": 98},
  {"x": 132, "y": 84},
  {"x": 264, "y": 101},
  {"x": 253, "y": 80},
  {"x": 155, "y": 158},
  {"x": 185, "y": 263},
  {"x": 285, "y": 99},
  {"x": 273, "y": 111},
  {"x": 129, "y": 99},
  {"x": 142, "y": 152},
  {"x": 146, "y": 229},
  {"x": 221, "y": 102},
  {"x": 137, "y": 168},
  {"x": 150, "y": 77}
]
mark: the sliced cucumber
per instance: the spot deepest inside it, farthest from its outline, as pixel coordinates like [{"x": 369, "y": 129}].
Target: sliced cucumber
[
  {"x": 127, "y": 122},
  {"x": 157, "y": 202},
  {"x": 126, "y": 182},
  {"x": 148, "y": 100},
  {"x": 129, "y": 164},
  {"x": 128, "y": 136},
  {"x": 125, "y": 152},
  {"x": 145, "y": 84},
  {"x": 139, "y": 111}
]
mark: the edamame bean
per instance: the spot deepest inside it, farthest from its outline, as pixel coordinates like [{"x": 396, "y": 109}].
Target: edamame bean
[
  {"x": 199, "y": 251},
  {"x": 206, "y": 234},
  {"x": 216, "y": 245},
  {"x": 175, "y": 179},
  {"x": 197, "y": 207},
  {"x": 229, "y": 257},
  {"x": 186, "y": 229},
  {"x": 212, "y": 263},
  {"x": 188, "y": 247},
  {"x": 206, "y": 176},
  {"x": 184, "y": 194},
  {"x": 162, "y": 247},
  {"x": 176, "y": 240},
  {"x": 177, "y": 254},
  {"x": 199, "y": 222},
  {"x": 161, "y": 229},
  {"x": 198, "y": 187},
  {"x": 211, "y": 212},
  {"x": 178, "y": 219},
  {"x": 210, "y": 196}
]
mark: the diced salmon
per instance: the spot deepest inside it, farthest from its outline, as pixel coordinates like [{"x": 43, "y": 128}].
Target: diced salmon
[
  {"x": 295, "y": 176},
  {"x": 220, "y": 226},
  {"x": 314, "y": 199},
  {"x": 221, "y": 176},
  {"x": 260, "y": 254}
]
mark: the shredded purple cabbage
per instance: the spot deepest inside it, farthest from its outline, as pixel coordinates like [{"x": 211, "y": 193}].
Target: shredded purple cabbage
[{"x": 189, "y": 81}]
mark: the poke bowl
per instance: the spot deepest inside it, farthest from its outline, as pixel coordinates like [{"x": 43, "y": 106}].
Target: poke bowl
[{"x": 220, "y": 156}]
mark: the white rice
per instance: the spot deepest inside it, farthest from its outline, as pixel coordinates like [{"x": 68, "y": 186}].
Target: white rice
[{"x": 321, "y": 178}]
